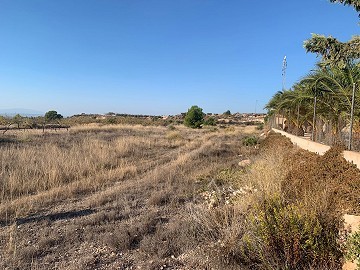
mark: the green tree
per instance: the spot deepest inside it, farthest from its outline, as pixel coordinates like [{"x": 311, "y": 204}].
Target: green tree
[
  {"x": 194, "y": 117},
  {"x": 354, "y": 3},
  {"x": 327, "y": 92},
  {"x": 52, "y": 116},
  {"x": 332, "y": 51},
  {"x": 18, "y": 119},
  {"x": 227, "y": 112}
]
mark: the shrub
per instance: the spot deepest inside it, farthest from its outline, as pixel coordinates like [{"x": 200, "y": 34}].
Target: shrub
[
  {"x": 171, "y": 127},
  {"x": 297, "y": 237},
  {"x": 260, "y": 126},
  {"x": 250, "y": 141},
  {"x": 353, "y": 248},
  {"x": 194, "y": 117},
  {"x": 111, "y": 121},
  {"x": 211, "y": 121},
  {"x": 174, "y": 135}
]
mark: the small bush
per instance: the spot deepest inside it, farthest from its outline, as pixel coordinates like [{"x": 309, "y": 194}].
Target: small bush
[
  {"x": 174, "y": 135},
  {"x": 111, "y": 121},
  {"x": 297, "y": 237},
  {"x": 260, "y": 126},
  {"x": 171, "y": 127},
  {"x": 250, "y": 141},
  {"x": 353, "y": 248},
  {"x": 210, "y": 121}
]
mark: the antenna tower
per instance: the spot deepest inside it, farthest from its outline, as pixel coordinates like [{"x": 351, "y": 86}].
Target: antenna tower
[{"x": 284, "y": 66}]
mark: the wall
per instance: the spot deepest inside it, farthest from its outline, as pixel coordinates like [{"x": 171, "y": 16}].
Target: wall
[{"x": 319, "y": 148}]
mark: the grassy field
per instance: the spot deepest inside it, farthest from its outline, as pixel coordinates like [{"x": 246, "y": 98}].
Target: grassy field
[{"x": 135, "y": 197}]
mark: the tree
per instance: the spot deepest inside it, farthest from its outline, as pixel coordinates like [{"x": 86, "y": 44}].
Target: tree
[
  {"x": 52, "y": 116},
  {"x": 18, "y": 119},
  {"x": 324, "y": 96},
  {"x": 227, "y": 112},
  {"x": 354, "y": 3},
  {"x": 332, "y": 51},
  {"x": 194, "y": 117}
]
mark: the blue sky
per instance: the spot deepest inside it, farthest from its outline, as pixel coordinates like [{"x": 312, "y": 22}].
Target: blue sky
[{"x": 157, "y": 56}]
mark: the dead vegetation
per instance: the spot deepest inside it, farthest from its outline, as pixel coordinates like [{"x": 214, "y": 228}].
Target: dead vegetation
[{"x": 127, "y": 197}]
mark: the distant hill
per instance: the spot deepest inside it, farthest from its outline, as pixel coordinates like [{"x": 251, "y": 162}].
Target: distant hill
[{"x": 21, "y": 111}]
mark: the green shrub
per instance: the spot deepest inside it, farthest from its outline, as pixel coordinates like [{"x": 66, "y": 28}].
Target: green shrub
[
  {"x": 353, "y": 248},
  {"x": 250, "y": 141},
  {"x": 260, "y": 126},
  {"x": 211, "y": 121}
]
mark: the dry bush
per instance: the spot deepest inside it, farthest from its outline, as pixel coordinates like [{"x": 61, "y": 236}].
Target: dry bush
[
  {"x": 264, "y": 229},
  {"x": 169, "y": 238},
  {"x": 326, "y": 182}
]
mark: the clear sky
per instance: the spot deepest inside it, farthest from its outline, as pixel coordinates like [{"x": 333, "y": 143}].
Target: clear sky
[{"x": 157, "y": 56}]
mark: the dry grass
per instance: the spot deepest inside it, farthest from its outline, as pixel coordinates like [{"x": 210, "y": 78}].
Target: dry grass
[
  {"x": 126, "y": 197},
  {"x": 85, "y": 159},
  {"x": 100, "y": 190}
]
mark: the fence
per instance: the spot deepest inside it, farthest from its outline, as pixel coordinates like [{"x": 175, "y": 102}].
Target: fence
[
  {"x": 319, "y": 148},
  {"x": 325, "y": 132}
]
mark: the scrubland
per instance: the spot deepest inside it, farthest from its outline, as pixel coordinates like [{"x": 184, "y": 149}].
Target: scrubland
[{"x": 135, "y": 197}]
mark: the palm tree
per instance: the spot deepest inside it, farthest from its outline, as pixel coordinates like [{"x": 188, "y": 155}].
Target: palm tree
[
  {"x": 334, "y": 85},
  {"x": 323, "y": 95}
]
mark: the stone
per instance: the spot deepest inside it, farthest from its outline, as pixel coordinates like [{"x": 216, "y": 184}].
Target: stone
[{"x": 245, "y": 163}]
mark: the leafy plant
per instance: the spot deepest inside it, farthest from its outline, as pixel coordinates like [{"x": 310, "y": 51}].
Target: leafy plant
[
  {"x": 250, "y": 141},
  {"x": 353, "y": 248},
  {"x": 194, "y": 117}
]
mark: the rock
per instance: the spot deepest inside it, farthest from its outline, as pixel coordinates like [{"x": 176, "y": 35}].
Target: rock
[
  {"x": 245, "y": 163},
  {"x": 352, "y": 222}
]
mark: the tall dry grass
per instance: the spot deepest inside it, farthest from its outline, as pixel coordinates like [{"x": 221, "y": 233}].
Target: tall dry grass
[
  {"x": 259, "y": 229},
  {"x": 56, "y": 165}
]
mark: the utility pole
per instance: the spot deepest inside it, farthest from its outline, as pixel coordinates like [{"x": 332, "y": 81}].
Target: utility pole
[
  {"x": 352, "y": 116},
  {"x": 314, "y": 120},
  {"x": 284, "y": 66}
]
